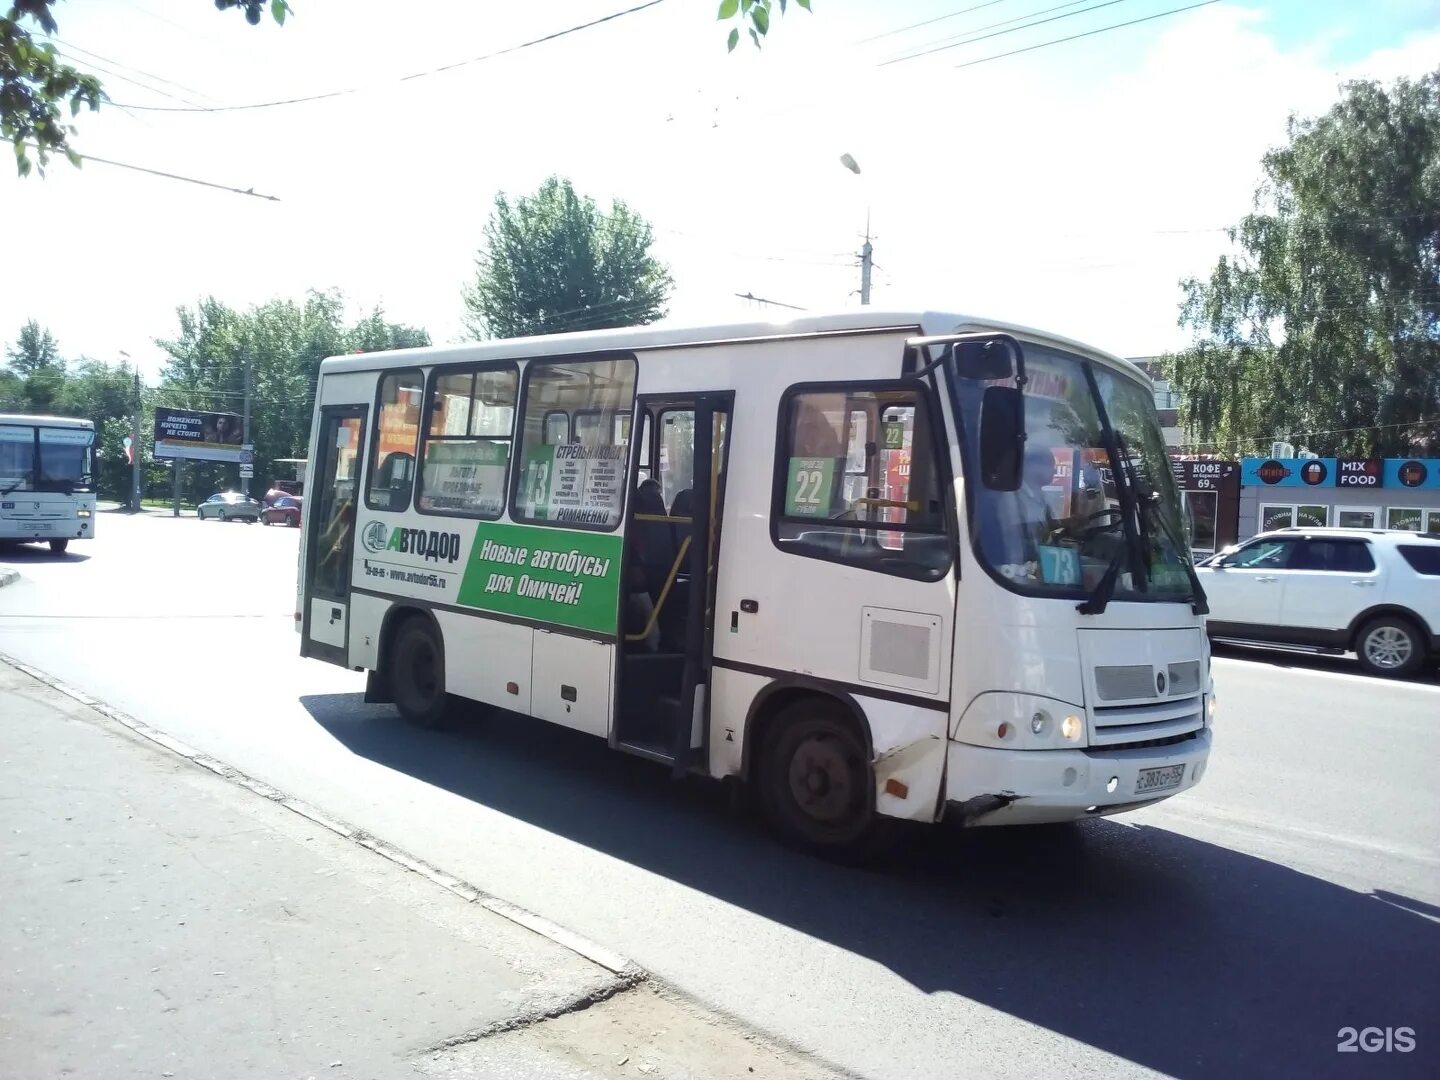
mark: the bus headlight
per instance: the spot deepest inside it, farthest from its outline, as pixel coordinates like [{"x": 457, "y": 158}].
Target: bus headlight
[
  {"x": 82, "y": 512},
  {"x": 1015, "y": 721},
  {"x": 1210, "y": 709}
]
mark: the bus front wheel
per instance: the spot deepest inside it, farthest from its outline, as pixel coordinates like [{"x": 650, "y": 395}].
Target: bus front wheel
[
  {"x": 59, "y": 546},
  {"x": 417, "y": 674},
  {"x": 815, "y": 781}
]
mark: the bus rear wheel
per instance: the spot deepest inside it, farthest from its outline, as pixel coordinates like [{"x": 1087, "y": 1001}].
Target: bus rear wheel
[
  {"x": 416, "y": 669},
  {"x": 815, "y": 781},
  {"x": 59, "y": 546}
]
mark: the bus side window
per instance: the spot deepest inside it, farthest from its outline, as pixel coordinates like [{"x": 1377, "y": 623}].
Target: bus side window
[
  {"x": 859, "y": 481},
  {"x": 395, "y": 441}
]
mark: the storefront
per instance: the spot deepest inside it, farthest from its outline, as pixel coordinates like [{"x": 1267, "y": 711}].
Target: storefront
[
  {"x": 1210, "y": 494},
  {"x": 1363, "y": 493}
]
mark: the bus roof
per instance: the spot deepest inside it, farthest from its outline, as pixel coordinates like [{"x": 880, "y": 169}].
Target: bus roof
[
  {"x": 46, "y": 421},
  {"x": 670, "y": 334}
]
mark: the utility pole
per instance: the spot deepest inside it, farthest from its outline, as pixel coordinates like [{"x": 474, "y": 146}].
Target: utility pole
[
  {"x": 135, "y": 448},
  {"x": 866, "y": 264},
  {"x": 245, "y": 436}
]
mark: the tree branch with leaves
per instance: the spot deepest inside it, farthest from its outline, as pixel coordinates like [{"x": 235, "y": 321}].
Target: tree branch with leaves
[
  {"x": 37, "y": 87},
  {"x": 754, "y": 12}
]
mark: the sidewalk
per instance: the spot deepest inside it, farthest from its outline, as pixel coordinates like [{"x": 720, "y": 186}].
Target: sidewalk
[{"x": 160, "y": 920}]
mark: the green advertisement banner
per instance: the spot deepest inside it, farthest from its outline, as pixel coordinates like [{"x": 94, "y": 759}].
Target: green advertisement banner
[
  {"x": 809, "y": 486},
  {"x": 560, "y": 576}
]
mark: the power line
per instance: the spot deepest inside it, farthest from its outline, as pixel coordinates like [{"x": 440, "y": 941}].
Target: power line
[
  {"x": 406, "y": 78},
  {"x": 1087, "y": 33},
  {"x": 970, "y": 35},
  {"x": 928, "y": 22},
  {"x": 175, "y": 176},
  {"x": 128, "y": 67},
  {"x": 1011, "y": 30},
  {"x": 111, "y": 74}
]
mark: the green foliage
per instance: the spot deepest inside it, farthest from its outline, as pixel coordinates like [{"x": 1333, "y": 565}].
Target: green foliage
[
  {"x": 1324, "y": 328},
  {"x": 554, "y": 261},
  {"x": 36, "y": 88},
  {"x": 756, "y": 12},
  {"x": 34, "y": 350},
  {"x": 253, "y": 9},
  {"x": 284, "y": 342}
]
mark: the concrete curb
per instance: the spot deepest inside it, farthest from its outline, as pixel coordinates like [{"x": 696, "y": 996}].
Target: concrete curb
[
  {"x": 8, "y": 576},
  {"x": 629, "y": 972}
]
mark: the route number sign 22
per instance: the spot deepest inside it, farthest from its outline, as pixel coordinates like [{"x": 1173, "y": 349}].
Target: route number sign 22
[{"x": 809, "y": 487}]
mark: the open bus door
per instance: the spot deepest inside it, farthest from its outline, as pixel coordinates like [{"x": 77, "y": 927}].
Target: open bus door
[
  {"x": 665, "y": 656},
  {"x": 330, "y": 536}
]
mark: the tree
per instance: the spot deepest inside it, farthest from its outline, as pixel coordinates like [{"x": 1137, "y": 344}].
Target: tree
[
  {"x": 1324, "y": 328},
  {"x": 35, "y": 86},
  {"x": 34, "y": 350},
  {"x": 283, "y": 342},
  {"x": 758, "y": 14},
  {"x": 554, "y": 261}
]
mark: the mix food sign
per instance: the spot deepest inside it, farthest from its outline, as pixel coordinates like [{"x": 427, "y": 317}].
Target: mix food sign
[
  {"x": 1400, "y": 473},
  {"x": 199, "y": 436}
]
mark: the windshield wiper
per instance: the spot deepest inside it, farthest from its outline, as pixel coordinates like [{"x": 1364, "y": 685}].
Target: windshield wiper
[
  {"x": 1199, "y": 604},
  {"x": 13, "y": 487},
  {"x": 1098, "y": 600}
]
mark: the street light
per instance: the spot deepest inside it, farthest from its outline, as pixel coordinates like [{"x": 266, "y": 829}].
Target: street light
[{"x": 850, "y": 163}]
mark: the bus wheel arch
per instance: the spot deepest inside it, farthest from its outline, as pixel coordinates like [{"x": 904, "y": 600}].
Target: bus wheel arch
[
  {"x": 808, "y": 755},
  {"x": 412, "y": 665}
]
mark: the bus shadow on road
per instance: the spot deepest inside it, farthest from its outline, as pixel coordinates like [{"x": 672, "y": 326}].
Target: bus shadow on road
[
  {"x": 1180, "y": 955},
  {"x": 21, "y": 554}
]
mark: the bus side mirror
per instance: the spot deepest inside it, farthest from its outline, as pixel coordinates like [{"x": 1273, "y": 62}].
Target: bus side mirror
[
  {"x": 987, "y": 361},
  {"x": 1002, "y": 437}
]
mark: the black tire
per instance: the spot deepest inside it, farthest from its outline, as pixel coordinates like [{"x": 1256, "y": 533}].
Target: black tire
[
  {"x": 224, "y": 517},
  {"x": 816, "y": 783},
  {"x": 59, "y": 546},
  {"x": 1390, "y": 646},
  {"x": 416, "y": 670}
]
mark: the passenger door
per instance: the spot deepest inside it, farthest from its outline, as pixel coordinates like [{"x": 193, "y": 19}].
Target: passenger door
[
  {"x": 330, "y": 539},
  {"x": 1246, "y": 588},
  {"x": 1328, "y": 583}
]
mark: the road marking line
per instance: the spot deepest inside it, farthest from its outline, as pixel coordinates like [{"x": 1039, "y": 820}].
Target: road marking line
[{"x": 597, "y": 954}]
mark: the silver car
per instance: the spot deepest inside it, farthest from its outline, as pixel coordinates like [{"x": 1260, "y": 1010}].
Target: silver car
[{"x": 229, "y": 506}]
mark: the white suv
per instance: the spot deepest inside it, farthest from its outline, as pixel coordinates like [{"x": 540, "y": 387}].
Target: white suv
[{"x": 1331, "y": 590}]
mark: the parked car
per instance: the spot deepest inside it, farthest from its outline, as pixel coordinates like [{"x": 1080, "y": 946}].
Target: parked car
[
  {"x": 1373, "y": 592},
  {"x": 285, "y": 510},
  {"x": 229, "y": 506}
]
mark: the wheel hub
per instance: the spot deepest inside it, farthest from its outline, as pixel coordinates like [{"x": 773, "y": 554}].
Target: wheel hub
[
  {"x": 820, "y": 779},
  {"x": 1387, "y": 647}
]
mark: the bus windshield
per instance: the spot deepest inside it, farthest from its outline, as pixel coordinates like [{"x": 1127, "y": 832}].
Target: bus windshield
[
  {"x": 45, "y": 458},
  {"x": 1072, "y": 522}
]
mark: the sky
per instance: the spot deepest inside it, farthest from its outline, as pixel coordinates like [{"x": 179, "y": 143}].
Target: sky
[{"x": 1069, "y": 187}]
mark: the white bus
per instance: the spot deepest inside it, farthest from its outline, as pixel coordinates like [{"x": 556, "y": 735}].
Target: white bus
[
  {"x": 907, "y": 565},
  {"x": 47, "y": 485}
]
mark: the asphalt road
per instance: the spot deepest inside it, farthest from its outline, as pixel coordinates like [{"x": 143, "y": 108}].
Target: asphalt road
[{"x": 1233, "y": 930}]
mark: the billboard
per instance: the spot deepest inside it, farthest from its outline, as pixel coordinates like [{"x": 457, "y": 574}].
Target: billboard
[{"x": 198, "y": 436}]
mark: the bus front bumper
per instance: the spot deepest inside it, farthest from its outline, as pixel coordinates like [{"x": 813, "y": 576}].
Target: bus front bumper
[{"x": 988, "y": 786}]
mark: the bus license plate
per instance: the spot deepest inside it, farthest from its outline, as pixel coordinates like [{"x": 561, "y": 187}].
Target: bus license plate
[
  {"x": 1167, "y": 776},
  {"x": 40, "y": 526}
]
